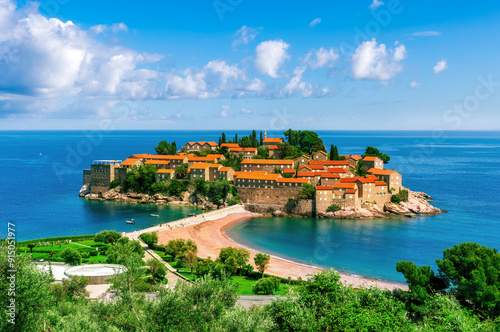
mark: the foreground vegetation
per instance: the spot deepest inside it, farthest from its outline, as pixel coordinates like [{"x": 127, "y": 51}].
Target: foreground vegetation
[{"x": 462, "y": 296}]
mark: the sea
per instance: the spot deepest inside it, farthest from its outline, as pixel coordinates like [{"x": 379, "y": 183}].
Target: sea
[{"x": 42, "y": 175}]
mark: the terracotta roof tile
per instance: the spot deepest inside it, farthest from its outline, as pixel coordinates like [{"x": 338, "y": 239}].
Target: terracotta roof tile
[
  {"x": 329, "y": 176},
  {"x": 329, "y": 162},
  {"x": 273, "y": 147},
  {"x": 351, "y": 191},
  {"x": 287, "y": 180},
  {"x": 200, "y": 166},
  {"x": 273, "y": 140},
  {"x": 157, "y": 162},
  {"x": 380, "y": 183},
  {"x": 267, "y": 162},
  {"x": 369, "y": 158},
  {"x": 230, "y": 145},
  {"x": 377, "y": 171},
  {"x": 164, "y": 171},
  {"x": 258, "y": 176},
  {"x": 215, "y": 165},
  {"x": 224, "y": 169},
  {"x": 324, "y": 187},
  {"x": 238, "y": 173},
  {"x": 243, "y": 149},
  {"x": 308, "y": 174},
  {"x": 290, "y": 171},
  {"x": 129, "y": 161},
  {"x": 336, "y": 170},
  {"x": 340, "y": 185}
]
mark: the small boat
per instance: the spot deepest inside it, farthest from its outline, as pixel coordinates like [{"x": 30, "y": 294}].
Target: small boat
[
  {"x": 191, "y": 214},
  {"x": 155, "y": 215},
  {"x": 132, "y": 222}
]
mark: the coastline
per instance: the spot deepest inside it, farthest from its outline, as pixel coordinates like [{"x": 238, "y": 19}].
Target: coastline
[{"x": 210, "y": 237}]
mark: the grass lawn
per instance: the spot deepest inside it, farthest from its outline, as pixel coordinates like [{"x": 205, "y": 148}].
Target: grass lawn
[
  {"x": 245, "y": 286},
  {"x": 82, "y": 246}
]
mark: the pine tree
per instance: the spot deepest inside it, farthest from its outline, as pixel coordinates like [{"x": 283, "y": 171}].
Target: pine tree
[
  {"x": 224, "y": 138},
  {"x": 236, "y": 138},
  {"x": 261, "y": 139},
  {"x": 220, "y": 141},
  {"x": 332, "y": 152}
]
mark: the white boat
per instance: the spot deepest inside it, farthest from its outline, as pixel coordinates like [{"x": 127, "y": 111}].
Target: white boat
[
  {"x": 155, "y": 215},
  {"x": 130, "y": 221}
]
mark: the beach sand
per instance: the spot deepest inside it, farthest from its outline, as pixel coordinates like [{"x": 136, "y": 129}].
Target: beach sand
[{"x": 210, "y": 238}]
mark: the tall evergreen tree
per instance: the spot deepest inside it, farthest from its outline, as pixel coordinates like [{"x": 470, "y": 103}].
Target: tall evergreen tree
[
  {"x": 236, "y": 138},
  {"x": 220, "y": 141},
  {"x": 290, "y": 138},
  {"x": 224, "y": 138},
  {"x": 332, "y": 152},
  {"x": 261, "y": 139}
]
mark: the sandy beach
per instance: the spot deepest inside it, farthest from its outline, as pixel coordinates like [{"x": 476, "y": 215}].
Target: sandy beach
[{"x": 210, "y": 238}]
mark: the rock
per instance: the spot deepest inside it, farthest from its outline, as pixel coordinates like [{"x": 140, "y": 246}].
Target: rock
[
  {"x": 418, "y": 204},
  {"x": 395, "y": 208},
  {"x": 185, "y": 196},
  {"x": 85, "y": 190},
  {"x": 419, "y": 194},
  {"x": 344, "y": 213},
  {"x": 363, "y": 213},
  {"x": 378, "y": 211},
  {"x": 278, "y": 213},
  {"x": 110, "y": 194}
]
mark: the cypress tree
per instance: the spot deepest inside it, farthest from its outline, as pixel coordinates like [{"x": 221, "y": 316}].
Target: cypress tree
[
  {"x": 220, "y": 141},
  {"x": 236, "y": 138},
  {"x": 261, "y": 138},
  {"x": 224, "y": 138},
  {"x": 332, "y": 152}
]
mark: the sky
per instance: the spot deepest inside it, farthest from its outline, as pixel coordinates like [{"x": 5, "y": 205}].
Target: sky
[{"x": 240, "y": 64}]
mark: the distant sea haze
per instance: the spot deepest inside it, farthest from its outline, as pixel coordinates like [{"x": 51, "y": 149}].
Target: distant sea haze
[{"x": 42, "y": 174}]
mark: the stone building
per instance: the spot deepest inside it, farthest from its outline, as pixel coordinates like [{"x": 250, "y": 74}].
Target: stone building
[
  {"x": 247, "y": 153},
  {"x": 267, "y": 165},
  {"x": 200, "y": 146},
  {"x": 272, "y": 141},
  {"x": 200, "y": 171},
  {"x": 312, "y": 177},
  {"x": 393, "y": 178},
  {"x": 328, "y": 179},
  {"x": 274, "y": 151},
  {"x": 373, "y": 162},
  {"x": 226, "y": 173},
  {"x": 302, "y": 160},
  {"x": 176, "y": 161},
  {"x": 230, "y": 145},
  {"x": 102, "y": 172},
  {"x": 165, "y": 175},
  {"x": 353, "y": 160},
  {"x": 286, "y": 182},
  {"x": 343, "y": 172},
  {"x": 131, "y": 162},
  {"x": 256, "y": 179},
  {"x": 320, "y": 155},
  {"x": 159, "y": 164},
  {"x": 331, "y": 163}
]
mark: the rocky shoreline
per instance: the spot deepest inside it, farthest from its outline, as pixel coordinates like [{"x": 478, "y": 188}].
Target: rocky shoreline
[{"x": 417, "y": 204}]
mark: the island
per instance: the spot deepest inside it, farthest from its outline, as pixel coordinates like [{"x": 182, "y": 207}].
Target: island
[{"x": 291, "y": 175}]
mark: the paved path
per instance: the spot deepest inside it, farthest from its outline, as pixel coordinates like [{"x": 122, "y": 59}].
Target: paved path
[{"x": 247, "y": 301}]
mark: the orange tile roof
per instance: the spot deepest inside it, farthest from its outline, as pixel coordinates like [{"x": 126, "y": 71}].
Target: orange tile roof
[
  {"x": 200, "y": 166},
  {"x": 301, "y": 167},
  {"x": 329, "y": 176},
  {"x": 290, "y": 171},
  {"x": 380, "y": 183},
  {"x": 336, "y": 170},
  {"x": 377, "y": 171},
  {"x": 203, "y": 143},
  {"x": 365, "y": 180},
  {"x": 215, "y": 165},
  {"x": 224, "y": 169},
  {"x": 329, "y": 162},
  {"x": 238, "y": 173},
  {"x": 288, "y": 180},
  {"x": 242, "y": 149},
  {"x": 254, "y": 176},
  {"x": 321, "y": 167},
  {"x": 308, "y": 174},
  {"x": 273, "y": 140},
  {"x": 353, "y": 156},
  {"x": 351, "y": 191},
  {"x": 215, "y": 155},
  {"x": 321, "y": 151},
  {"x": 164, "y": 171},
  {"x": 369, "y": 158},
  {"x": 188, "y": 171},
  {"x": 303, "y": 156},
  {"x": 267, "y": 162},
  {"x": 230, "y": 145},
  {"x": 143, "y": 155},
  {"x": 177, "y": 157},
  {"x": 324, "y": 187},
  {"x": 273, "y": 147},
  {"x": 349, "y": 180},
  {"x": 157, "y": 162},
  {"x": 198, "y": 159},
  {"x": 340, "y": 185},
  {"x": 212, "y": 143},
  {"x": 129, "y": 161},
  {"x": 371, "y": 176}
]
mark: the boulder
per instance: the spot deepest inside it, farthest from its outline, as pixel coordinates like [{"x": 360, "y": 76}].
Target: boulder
[
  {"x": 418, "y": 204},
  {"x": 395, "y": 208},
  {"x": 110, "y": 194},
  {"x": 279, "y": 213},
  {"x": 344, "y": 213},
  {"x": 363, "y": 213},
  {"x": 85, "y": 190}
]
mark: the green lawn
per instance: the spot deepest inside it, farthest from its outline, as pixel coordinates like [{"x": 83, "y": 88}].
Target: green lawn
[{"x": 43, "y": 252}]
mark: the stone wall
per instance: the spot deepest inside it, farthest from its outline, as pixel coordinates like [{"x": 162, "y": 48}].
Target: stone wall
[
  {"x": 87, "y": 176},
  {"x": 268, "y": 200}
]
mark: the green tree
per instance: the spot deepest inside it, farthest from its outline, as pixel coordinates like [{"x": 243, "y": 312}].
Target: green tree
[
  {"x": 71, "y": 256},
  {"x": 140, "y": 179},
  {"x": 157, "y": 269},
  {"x": 307, "y": 191},
  {"x": 118, "y": 253},
  {"x": 234, "y": 258},
  {"x": 263, "y": 152},
  {"x": 287, "y": 151},
  {"x": 473, "y": 271},
  {"x": 113, "y": 184},
  {"x": 178, "y": 247},
  {"x": 223, "y": 139},
  {"x": 261, "y": 261},
  {"x": 371, "y": 151},
  {"x": 360, "y": 169},
  {"x": 107, "y": 237},
  {"x": 266, "y": 285},
  {"x": 180, "y": 171},
  {"x": 71, "y": 288},
  {"x": 190, "y": 259},
  {"x": 150, "y": 238},
  {"x": 261, "y": 140},
  {"x": 165, "y": 148}
]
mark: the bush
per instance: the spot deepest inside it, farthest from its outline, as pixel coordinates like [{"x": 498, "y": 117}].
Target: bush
[
  {"x": 150, "y": 238},
  {"x": 115, "y": 183},
  {"x": 71, "y": 256},
  {"x": 395, "y": 199},
  {"x": 333, "y": 208},
  {"x": 234, "y": 200},
  {"x": 266, "y": 285},
  {"x": 307, "y": 191},
  {"x": 85, "y": 254}
]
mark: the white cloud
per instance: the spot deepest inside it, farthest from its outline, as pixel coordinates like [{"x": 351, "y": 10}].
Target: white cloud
[
  {"x": 245, "y": 111},
  {"x": 372, "y": 61},
  {"x": 226, "y": 71},
  {"x": 414, "y": 85},
  {"x": 296, "y": 85},
  {"x": 115, "y": 28},
  {"x": 224, "y": 112},
  {"x": 440, "y": 66},
  {"x": 245, "y": 35},
  {"x": 256, "y": 85},
  {"x": 425, "y": 33},
  {"x": 315, "y": 22},
  {"x": 321, "y": 58},
  {"x": 270, "y": 56},
  {"x": 375, "y": 4}
]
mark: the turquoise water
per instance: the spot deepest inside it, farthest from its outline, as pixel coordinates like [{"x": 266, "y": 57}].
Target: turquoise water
[{"x": 42, "y": 174}]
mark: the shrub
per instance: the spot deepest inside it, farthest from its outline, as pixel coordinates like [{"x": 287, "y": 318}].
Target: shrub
[
  {"x": 85, "y": 254},
  {"x": 115, "y": 183},
  {"x": 333, "y": 208},
  {"x": 266, "y": 285},
  {"x": 234, "y": 200},
  {"x": 150, "y": 238},
  {"x": 395, "y": 199},
  {"x": 307, "y": 191},
  {"x": 71, "y": 256}
]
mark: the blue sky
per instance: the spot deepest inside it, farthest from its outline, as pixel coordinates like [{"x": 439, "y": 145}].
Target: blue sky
[{"x": 239, "y": 64}]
